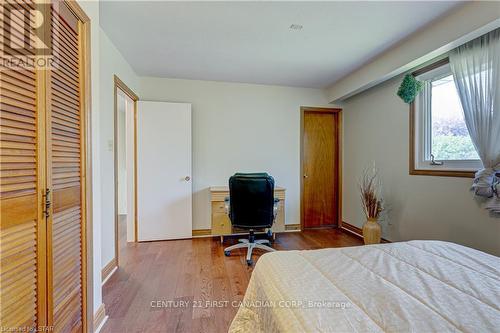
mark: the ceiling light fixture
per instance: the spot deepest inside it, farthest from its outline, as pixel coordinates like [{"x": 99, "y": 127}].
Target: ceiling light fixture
[{"x": 296, "y": 27}]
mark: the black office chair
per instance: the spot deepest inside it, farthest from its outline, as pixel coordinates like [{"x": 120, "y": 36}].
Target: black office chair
[{"x": 251, "y": 205}]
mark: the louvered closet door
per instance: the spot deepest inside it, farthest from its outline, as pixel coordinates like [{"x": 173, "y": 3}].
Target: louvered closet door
[
  {"x": 20, "y": 224},
  {"x": 64, "y": 176}
]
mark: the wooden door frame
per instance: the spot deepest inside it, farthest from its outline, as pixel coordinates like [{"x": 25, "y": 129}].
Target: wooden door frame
[
  {"x": 338, "y": 189},
  {"x": 120, "y": 85}
]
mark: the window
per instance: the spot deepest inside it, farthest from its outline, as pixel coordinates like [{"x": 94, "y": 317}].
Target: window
[{"x": 441, "y": 143}]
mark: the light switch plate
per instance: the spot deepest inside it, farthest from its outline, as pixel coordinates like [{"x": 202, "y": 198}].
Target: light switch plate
[{"x": 110, "y": 145}]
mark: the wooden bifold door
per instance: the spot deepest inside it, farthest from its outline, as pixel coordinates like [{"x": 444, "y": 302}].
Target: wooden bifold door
[{"x": 43, "y": 170}]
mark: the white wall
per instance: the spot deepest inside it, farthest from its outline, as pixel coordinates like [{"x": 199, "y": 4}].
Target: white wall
[
  {"x": 239, "y": 127},
  {"x": 420, "y": 207},
  {"x": 111, "y": 63}
]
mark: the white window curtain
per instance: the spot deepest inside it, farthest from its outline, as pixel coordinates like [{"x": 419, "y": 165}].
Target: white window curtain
[{"x": 476, "y": 71}]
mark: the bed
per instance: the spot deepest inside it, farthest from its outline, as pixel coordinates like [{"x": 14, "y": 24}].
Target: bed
[{"x": 415, "y": 286}]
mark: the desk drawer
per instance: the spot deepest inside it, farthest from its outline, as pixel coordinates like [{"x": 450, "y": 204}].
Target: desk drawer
[
  {"x": 221, "y": 225},
  {"x": 218, "y": 207}
]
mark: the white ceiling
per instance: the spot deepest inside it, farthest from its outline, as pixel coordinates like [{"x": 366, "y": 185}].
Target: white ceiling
[{"x": 252, "y": 42}]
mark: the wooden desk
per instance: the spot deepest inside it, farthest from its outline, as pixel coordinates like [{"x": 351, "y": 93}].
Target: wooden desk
[{"x": 221, "y": 225}]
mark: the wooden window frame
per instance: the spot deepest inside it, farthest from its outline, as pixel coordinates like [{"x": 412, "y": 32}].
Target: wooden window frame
[{"x": 413, "y": 136}]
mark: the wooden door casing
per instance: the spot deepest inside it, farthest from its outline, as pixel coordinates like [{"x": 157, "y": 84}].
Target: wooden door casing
[{"x": 320, "y": 168}]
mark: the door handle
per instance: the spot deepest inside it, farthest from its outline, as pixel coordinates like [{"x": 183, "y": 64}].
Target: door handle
[
  {"x": 48, "y": 203},
  {"x": 306, "y": 176},
  {"x": 187, "y": 178}
]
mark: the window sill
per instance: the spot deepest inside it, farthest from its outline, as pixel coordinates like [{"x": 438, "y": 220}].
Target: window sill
[{"x": 442, "y": 173}]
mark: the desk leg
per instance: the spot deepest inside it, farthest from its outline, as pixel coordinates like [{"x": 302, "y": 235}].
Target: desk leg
[{"x": 221, "y": 239}]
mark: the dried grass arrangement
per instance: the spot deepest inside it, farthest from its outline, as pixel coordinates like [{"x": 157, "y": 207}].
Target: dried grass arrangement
[{"x": 371, "y": 198}]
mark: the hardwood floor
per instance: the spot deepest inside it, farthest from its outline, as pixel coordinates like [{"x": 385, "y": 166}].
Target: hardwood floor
[{"x": 190, "y": 270}]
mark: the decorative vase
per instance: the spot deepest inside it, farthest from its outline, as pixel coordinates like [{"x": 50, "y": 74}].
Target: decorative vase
[{"x": 371, "y": 231}]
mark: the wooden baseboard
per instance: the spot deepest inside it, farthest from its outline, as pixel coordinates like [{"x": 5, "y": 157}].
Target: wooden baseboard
[
  {"x": 358, "y": 232},
  {"x": 292, "y": 227},
  {"x": 352, "y": 229},
  {"x": 108, "y": 269},
  {"x": 201, "y": 232},
  {"x": 99, "y": 316}
]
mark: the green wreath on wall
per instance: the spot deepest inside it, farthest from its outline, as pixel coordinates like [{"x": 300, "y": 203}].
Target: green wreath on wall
[{"x": 409, "y": 88}]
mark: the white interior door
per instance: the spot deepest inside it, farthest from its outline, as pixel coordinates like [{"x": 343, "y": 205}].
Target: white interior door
[{"x": 164, "y": 190}]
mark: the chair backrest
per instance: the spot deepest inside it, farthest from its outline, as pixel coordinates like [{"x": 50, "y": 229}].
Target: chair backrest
[{"x": 252, "y": 200}]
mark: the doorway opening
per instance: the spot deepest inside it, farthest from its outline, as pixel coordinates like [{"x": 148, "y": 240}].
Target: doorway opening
[
  {"x": 125, "y": 150},
  {"x": 321, "y": 176}
]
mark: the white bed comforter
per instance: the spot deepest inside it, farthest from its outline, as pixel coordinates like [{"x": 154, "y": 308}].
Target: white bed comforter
[{"x": 416, "y": 286}]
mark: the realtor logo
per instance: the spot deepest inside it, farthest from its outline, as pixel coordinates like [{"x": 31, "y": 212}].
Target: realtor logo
[{"x": 26, "y": 39}]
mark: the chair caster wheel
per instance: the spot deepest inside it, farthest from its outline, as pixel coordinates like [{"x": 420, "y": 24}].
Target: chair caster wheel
[
  {"x": 227, "y": 253},
  {"x": 249, "y": 262}
]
